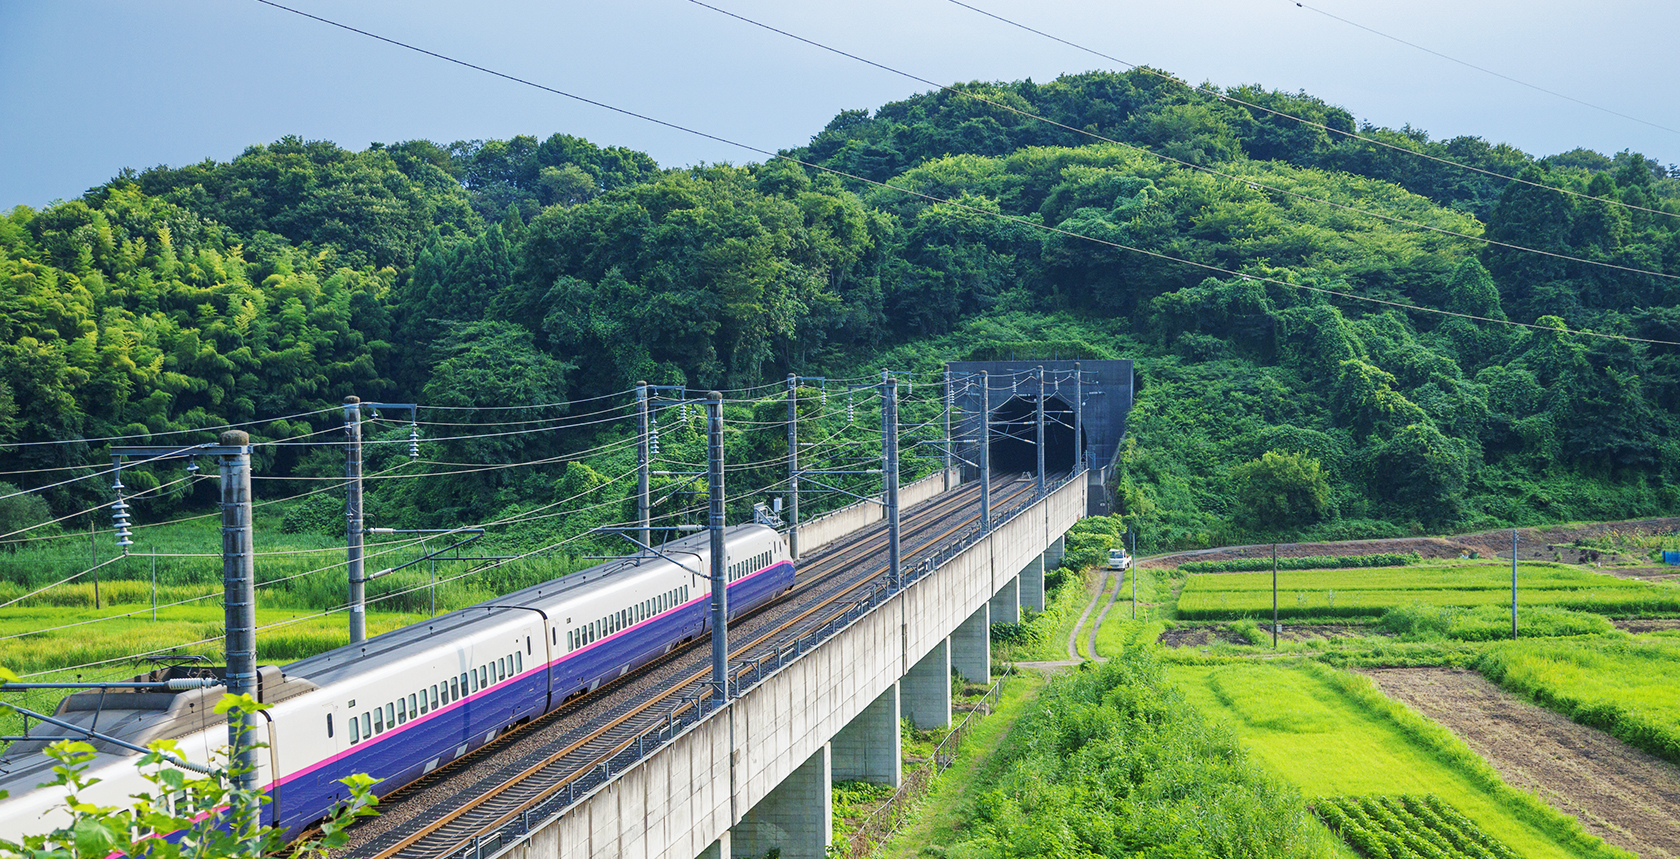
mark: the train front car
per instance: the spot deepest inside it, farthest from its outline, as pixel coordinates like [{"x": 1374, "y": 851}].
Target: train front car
[{"x": 406, "y": 702}]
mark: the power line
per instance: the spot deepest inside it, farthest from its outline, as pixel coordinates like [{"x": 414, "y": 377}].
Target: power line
[
  {"x": 1293, "y": 118},
  {"x": 1251, "y": 181},
  {"x": 1486, "y": 71},
  {"x": 973, "y": 209}
]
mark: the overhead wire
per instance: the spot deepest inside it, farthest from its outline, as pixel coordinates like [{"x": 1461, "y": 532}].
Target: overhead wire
[
  {"x": 1487, "y": 71},
  {"x": 1307, "y": 122},
  {"x": 1252, "y": 182}
]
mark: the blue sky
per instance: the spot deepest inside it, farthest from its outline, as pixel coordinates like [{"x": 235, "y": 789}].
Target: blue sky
[{"x": 88, "y": 87}]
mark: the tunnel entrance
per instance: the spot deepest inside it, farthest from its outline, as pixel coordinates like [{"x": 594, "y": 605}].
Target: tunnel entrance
[{"x": 1014, "y": 428}]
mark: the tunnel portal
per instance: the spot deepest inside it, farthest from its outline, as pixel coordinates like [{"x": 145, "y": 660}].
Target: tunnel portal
[{"x": 1014, "y": 427}]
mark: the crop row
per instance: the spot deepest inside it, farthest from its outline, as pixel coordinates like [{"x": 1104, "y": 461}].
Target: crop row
[
  {"x": 1408, "y": 827},
  {"x": 1224, "y": 605},
  {"x": 1311, "y": 562},
  {"x": 1427, "y": 578}
]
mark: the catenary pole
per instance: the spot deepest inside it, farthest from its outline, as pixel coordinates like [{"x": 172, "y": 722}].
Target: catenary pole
[
  {"x": 644, "y": 513},
  {"x": 889, "y": 403},
  {"x": 949, "y": 400},
  {"x": 1078, "y": 419},
  {"x": 240, "y": 613},
  {"x": 1040, "y": 439},
  {"x": 720, "y": 559},
  {"x": 354, "y": 526},
  {"x": 1274, "y": 597},
  {"x": 793, "y": 466},
  {"x": 985, "y": 452}
]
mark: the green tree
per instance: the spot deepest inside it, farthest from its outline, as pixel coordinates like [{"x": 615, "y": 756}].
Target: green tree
[{"x": 1280, "y": 490}]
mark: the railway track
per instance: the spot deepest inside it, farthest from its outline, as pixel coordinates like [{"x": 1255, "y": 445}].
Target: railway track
[{"x": 549, "y": 760}]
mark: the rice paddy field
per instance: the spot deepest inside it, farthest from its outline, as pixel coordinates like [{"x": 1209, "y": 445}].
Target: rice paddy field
[
  {"x": 1355, "y": 593},
  {"x": 1331, "y": 734},
  {"x": 1626, "y": 685}
]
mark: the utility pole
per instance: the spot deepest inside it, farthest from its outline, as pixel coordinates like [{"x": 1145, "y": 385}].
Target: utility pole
[
  {"x": 233, "y": 453},
  {"x": 1134, "y": 574},
  {"x": 644, "y": 514},
  {"x": 949, "y": 399},
  {"x": 985, "y": 452},
  {"x": 1513, "y": 584},
  {"x": 1274, "y": 597},
  {"x": 353, "y": 524},
  {"x": 793, "y": 466},
  {"x": 720, "y": 561},
  {"x": 889, "y": 406},
  {"x": 1078, "y": 419},
  {"x": 1040, "y": 419}
]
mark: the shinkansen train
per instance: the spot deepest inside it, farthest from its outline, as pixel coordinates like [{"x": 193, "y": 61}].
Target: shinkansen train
[{"x": 404, "y": 703}]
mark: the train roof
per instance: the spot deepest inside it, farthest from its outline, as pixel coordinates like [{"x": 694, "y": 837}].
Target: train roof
[{"x": 393, "y": 647}]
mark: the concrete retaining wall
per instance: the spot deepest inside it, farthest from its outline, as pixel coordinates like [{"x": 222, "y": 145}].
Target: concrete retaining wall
[
  {"x": 681, "y": 799},
  {"x": 835, "y": 524}
]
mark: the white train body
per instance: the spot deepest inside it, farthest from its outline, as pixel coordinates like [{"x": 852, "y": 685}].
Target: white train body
[{"x": 404, "y": 703}]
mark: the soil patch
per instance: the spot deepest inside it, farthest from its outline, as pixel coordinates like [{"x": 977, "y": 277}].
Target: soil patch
[
  {"x": 1638, "y": 625},
  {"x": 1199, "y": 636},
  {"x": 1625, "y": 796},
  {"x": 1551, "y": 543},
  {"x": 1327, "y": 632}
]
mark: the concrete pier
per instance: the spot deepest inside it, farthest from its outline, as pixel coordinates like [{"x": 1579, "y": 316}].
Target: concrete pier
[
  {"x": 1032, "y": 584},
  {"x": 868, "y": 748},
  {"x": 927, "y": 688},
  {"x": 795, "y": 818},
  {"x": 1005, "y": 605},
  {"x": 971, "y": 647}
]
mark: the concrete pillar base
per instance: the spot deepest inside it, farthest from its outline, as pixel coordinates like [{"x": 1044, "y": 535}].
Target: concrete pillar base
[
  {"x": 1005, "y": 605},
  {"x": 719, "y": 849},
  {"x": 1032, "y": 584},
  {"x": 868, "y": 748},
  {"x": 927, "y": 688},
  {"x": 795, "y": 818},
  {"x": 971, "y": 647}
]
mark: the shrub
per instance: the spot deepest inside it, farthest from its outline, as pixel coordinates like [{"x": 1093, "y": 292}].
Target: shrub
[{"x": 1311, "y": 562}]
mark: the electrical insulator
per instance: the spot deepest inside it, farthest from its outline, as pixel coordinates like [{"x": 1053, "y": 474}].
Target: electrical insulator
[
  {"x": 848, "y": 407},
  {"x": 192, "y": 465},
  {"x": 825, "y": 396},
  {"x": 119, "y": 516},
  {"x": 413, "y": 440},
  {"x": 683, "y": 413},
  {"x": 653, "y": 439}
]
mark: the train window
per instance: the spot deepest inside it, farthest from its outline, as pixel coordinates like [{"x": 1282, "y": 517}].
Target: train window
[
  {"x": 367, "y": 725},
  {"x": 413, "y": 713},
  {"x": 473, "y": 677},
  {"x": 504, "y": 665},
  {"x": 484, "y": 676},
  {"x": 355, "y": 729},
  {"x": 425, "y": 703},
  {"x": 379, "y": 720},
  {"x": 527, "y": 644},
  {"x": 435, "y": 695},
  {"x": 402, "y": 711},
  {"x": 329, "y": 726},
  {"x": 390, "y": 715},
  {"x": 518, "y": 662},
  {"x": 556, "y": 636}
]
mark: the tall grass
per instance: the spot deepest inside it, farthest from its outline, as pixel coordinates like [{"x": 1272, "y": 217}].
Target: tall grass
[{"x": 1622, "y": 684}]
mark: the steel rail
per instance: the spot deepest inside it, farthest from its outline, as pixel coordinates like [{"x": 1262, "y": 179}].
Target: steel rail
[{"x": 818, "y": 573}]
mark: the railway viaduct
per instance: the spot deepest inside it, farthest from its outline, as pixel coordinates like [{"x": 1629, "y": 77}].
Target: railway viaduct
[{"x": 755, "y": 775}]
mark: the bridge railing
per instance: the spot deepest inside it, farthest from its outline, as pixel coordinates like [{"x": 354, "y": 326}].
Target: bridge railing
[{"x": 691, "y": 710}]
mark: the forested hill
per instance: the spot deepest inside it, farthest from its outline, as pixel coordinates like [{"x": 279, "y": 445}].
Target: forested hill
[{"x": 488, "y": 273}]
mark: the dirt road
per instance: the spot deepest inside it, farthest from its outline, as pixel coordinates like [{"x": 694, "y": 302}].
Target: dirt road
[{"x": 1625, "y": 796}]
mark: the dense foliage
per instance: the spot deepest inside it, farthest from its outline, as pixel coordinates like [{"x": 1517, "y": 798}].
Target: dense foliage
[
  {"x": 1114, "y": 760},
  {"x": 485, "y": 274},
  {"x": 1408, "y": 827},
  {"x": 1310, "y": 562}
]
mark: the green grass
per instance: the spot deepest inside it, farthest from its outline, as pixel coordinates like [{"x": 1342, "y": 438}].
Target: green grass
[
  {"x": 1331, "y": 733},
  {"x": 1623, "y": 684},
  {"x": 1111, "y": 761},
  {"x": 1488, "y": 623},
  {"x": 1115, "y": 629},
  {"x": 940, "y": 814},
  {"x": 1043, "y": 636},
  {"x": 1371, "y": 592},
  {"x": 1310, "y": 562}
]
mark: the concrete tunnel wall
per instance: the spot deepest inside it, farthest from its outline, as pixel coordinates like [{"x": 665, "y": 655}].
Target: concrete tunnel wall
[{"x": 680, "y": 800}]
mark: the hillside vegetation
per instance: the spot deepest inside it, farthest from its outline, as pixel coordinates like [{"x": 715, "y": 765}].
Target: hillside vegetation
[{"x": 485, "y": 274}]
